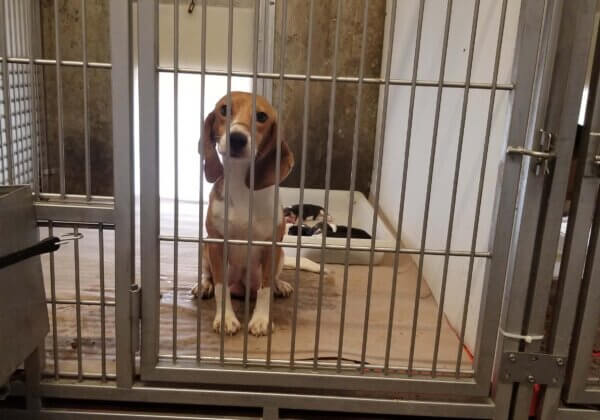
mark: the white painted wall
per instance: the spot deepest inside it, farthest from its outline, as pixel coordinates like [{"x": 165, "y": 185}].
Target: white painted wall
[
  {"x": 189, "y": 92},
  {"x": 445, "y": 157}
]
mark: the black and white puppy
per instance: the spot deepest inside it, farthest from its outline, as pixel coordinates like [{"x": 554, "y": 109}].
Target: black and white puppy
[{"x": 309, "y": 212}]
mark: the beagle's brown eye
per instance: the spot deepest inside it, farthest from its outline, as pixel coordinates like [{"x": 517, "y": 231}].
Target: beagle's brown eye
[
  {"x": 261, "y": 117},
  {"x": 224, "y": 110}
]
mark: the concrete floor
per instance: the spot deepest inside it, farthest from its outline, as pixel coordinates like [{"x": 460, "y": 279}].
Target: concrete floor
[{"x": 307, "y": 304}]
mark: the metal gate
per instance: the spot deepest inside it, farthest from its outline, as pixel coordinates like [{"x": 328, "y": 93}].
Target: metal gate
[
  {"x": 552, "y": 49},
  {"x": 289, "y": 373}
]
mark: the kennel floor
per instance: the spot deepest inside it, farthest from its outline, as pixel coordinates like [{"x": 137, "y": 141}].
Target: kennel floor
[{"x": 187, "y": 307}]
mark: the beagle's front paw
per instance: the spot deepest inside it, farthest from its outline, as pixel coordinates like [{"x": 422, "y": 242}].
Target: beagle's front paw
[
  {"x": 204, "y": 289},
  {"x": 283, "y": 288},
  {"x": 259, "y": 325},
  {"x": 232, "y": 325}
]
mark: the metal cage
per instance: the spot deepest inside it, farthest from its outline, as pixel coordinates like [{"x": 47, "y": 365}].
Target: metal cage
[{"x": 126, "y": 259}]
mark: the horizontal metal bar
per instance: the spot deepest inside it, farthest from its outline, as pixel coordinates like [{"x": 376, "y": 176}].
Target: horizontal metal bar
[
  {"x": 86, "y": 376},
  {"x": 185, "y": 371},
  {"x": 305, "y": 245},
  {"x": 65, "y": 212},
  {"x": 49, "y": 62},
  {"x": 77, "y": 198},
  {"x": 73, "y": 413},
  {"x": 82, "y": 302},
  {"x": 577, "y": 413},
  {"x": 323, "y": 365},
  {"x": 81, "y": 225},
  {"x": 473, "y": 408},
  {"x": 341, "y": 79},
  {"x": 518, "y": 150}
]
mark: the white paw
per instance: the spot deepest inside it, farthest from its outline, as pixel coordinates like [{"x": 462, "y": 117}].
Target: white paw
[
  {"x": 232, "y": 325},
  {"x": 283, "y": 288},
  {"x": 259, "y": 325},
  {"x": 204, "y": 289}
]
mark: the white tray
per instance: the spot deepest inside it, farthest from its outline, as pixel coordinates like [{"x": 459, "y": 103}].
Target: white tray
[{"x": 338, "y": 208}]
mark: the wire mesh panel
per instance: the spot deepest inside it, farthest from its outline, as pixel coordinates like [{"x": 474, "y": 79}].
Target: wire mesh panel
[{"x": 20, "y": 132}]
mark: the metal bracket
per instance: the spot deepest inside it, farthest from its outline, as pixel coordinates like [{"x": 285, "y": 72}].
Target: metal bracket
[
  {"x": 532, "y": 368},
  {"x": 542, "y": 157},
  {"x": 135, "y": 295}
]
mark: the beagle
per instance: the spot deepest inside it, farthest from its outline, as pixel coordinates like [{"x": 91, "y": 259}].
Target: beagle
[{"x": 239, "y": 153}]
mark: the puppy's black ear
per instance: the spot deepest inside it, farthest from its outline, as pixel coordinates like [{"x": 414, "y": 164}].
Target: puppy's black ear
[
  {"x": 213, "y": 169},
  {"x": 266, "y": 161}
]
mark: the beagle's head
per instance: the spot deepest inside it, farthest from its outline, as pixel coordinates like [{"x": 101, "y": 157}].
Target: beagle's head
[{"x": 239, "y": 148}]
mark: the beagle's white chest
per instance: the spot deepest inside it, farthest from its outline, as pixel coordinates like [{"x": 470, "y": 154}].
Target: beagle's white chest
[{"x": 239, "y": 200}]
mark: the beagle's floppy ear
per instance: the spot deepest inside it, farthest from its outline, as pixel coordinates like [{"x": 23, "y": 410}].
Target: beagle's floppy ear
[
  {"x": 266, "y": 160},
  {"x": 213, "y": 169}
]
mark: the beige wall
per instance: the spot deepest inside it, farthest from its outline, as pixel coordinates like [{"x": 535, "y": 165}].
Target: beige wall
[
  {"x": 323, "y": 37},
  {"x": 99, "y": 99},
  {"x": 345, "y": 112}
]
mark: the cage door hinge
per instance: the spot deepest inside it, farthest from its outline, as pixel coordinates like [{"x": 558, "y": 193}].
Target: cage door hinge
[
  {"x": 135, "y": 301},
  {"x": 542, "y": 157},
  {"x": 532, "y": 368}
]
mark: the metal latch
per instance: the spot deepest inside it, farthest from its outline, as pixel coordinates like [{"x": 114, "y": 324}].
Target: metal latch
[
  {"x": 135, "y": 294},
  {"x": 533, "y": 368},
  {"x": 542, "y": 157}
]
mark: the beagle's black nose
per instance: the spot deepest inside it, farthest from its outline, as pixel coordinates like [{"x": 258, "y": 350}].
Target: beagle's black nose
[{"x": 238, "y": 141}]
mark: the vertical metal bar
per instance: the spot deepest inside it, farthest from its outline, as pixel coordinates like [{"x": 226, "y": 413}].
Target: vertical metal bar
[
  {"x": 303, "y": 158},
  {"x": 59, "y": 101},
  {"x": 176, "y": 171},
  {"x": 252, "y": 180},
  {"x": 513, "y": 233},
  {"x": 581, "y": 213},
  {"x": 39, "y": 98},
  {"x": 548, "y": 240},
  {"x": 224, "y": 287},
  {"x": 481, "y": 183},
  {"x": 28, "y": 78},
  {"x": 357, "y": 117},
  {"x": 330, "y": 132},
  {"x": 429, "y": 183},
  {"x": 201, "y": 192},
  {"x": 587, "y": 322},
  {"x": 122, "y": 117},
  {"x": 33, "y": 105},
  {"x": 438, "y": 328},
  {"x": 24, "y": 87},
  {"x": 15, "y": 26},
  {"x": 6, "y": 96},
  {"x": 102, "y": 300},
  {"x": 266, "y": 44},
  {"x": 78, "y": 303},
  {"x": 86, "y": 120},
  {"x": 383, "y": 126},
  {"x": 33, "y": 376},
  {"x": 53, "y": 300},
  {"x": 277, "y": 174},
  {"x": 149, "y": 180},
  {"x": 570, "y": 278},
  {"x": 13, "y": 74},
  {"x": 411, "y": 109}
]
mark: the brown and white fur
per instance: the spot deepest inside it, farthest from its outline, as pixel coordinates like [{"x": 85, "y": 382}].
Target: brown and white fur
[{"x": 239, "y": 159}]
